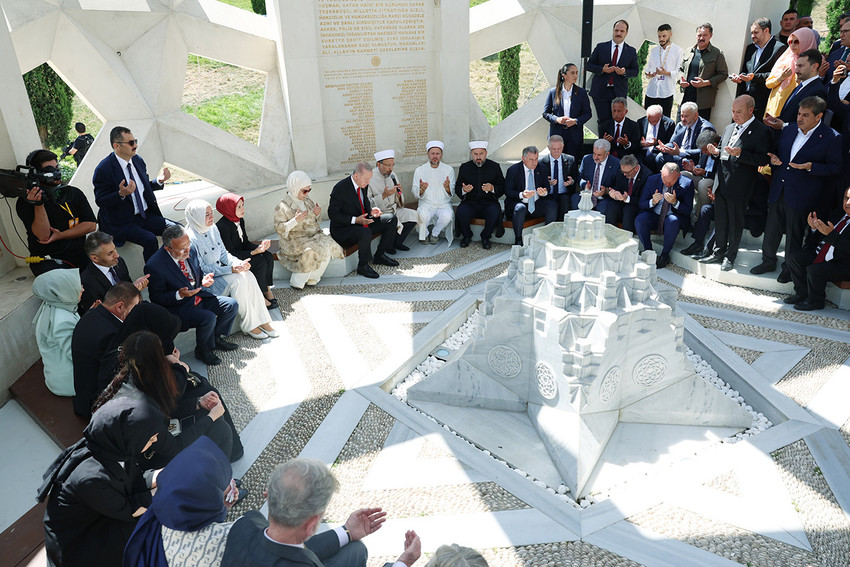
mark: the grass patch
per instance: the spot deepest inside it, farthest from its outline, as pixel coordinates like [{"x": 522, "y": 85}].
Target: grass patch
[
  {"x": 244, "y": 4},
  {"x": 236, "y": 113},
  {"x": 473, "y": 3},
  {"x": 484, "y": 82}
]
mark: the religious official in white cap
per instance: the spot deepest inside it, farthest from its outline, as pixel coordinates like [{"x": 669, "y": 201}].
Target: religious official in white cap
[
  {"x": 386, "y": 194},
  {"x": 479, "y": 185},
  {"x": 432, "y": 185}
]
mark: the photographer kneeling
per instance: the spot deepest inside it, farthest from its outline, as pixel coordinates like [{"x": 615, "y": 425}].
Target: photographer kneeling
[{"x": 56, "y": 217}]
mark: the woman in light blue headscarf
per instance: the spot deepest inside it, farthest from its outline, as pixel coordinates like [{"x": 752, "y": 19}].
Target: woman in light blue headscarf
[{"x": 59, "y": 291}]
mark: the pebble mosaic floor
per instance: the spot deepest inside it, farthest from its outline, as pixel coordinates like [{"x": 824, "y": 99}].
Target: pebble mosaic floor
[{"x": 313, "y": 392}]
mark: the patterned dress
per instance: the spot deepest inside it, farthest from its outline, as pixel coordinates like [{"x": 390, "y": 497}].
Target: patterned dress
[{"x": 303, "y": 245}]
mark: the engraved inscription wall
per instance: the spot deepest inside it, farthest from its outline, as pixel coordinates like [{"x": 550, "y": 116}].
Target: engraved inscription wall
[{"x": 350, "y": 27}]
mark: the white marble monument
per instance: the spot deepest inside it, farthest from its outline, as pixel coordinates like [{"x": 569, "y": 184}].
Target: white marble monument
[{"x": 578, "y": 338}]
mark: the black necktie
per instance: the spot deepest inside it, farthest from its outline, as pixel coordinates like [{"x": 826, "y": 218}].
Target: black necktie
[
  {"x": 113, "y": 273},
  {"x": 558, "y": 183}
]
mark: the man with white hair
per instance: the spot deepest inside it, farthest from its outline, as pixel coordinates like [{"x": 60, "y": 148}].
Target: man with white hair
[
  {"x": 479, "y": 185},
  {"x": 597, "y": 172},
  {"x": 653, "y": 128},
  {"x": 683, "y": 144},
  {"x": 386, "y": 194},
  {"x": 432, "y": 185},
  {"x": 298, "y": 495},
  {"x": 528, "y": 193},
  {"x": 665, "y": 207}
]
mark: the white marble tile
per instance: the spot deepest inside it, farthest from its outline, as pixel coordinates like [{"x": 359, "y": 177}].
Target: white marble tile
[
  {"x": 830, "y": 403},
  {"x": 21, "y": 477},
  {"x": 332, "y": 435},
  {"x": 778, "y": 358},
  {"x": 479, "y": 265},
  {"x": 832, "y": 455}
]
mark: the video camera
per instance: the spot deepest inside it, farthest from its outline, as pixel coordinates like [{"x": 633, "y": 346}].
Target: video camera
[{"x": 17, "y": 182}]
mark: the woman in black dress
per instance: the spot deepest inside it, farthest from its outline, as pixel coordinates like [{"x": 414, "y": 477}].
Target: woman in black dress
[
  {"x": 231, "y": 226},
  {"x": 96, "y": 491}
]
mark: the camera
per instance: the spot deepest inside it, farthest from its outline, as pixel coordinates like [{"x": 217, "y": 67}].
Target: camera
[{"x": 17, "y": 182}]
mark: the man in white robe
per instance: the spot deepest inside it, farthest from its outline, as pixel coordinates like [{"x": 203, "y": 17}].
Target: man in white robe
[
  {"x": 432, "y": 185},
  {"x": 386, "y": 194}
]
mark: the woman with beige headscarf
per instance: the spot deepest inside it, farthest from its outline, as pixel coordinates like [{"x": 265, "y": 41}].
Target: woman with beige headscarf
[
  {"x": 782, "y": 80},
  {"x": 305, "y": 250},
  {"x": 233, "y": 276}
]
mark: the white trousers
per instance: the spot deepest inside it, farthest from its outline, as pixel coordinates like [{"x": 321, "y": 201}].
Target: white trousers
[
  {"x": 300, "y": 279},
  {"x": 244, "y": 289},
  {"x": 440, "y": 215}
]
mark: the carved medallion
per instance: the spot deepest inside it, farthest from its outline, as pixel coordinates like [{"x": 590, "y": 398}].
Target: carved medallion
[
  {"x": 546, "y": 381},
  {"x": 610, "y": 385},
  {"x": 504, "y": 361},
  {"x": 650, "y": 370}
]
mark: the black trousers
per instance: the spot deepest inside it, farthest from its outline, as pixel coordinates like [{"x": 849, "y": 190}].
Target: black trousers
[
  {"x": 361, "y": 235},
  {"x": 783, "y": 219},
  {"x": 810, "y": 279},
  {"x": 466, "y": 211},
  {"x": 666, "y": 104},
  {"x": 603, "y": 107},
  {"x": 619, "y": 211},
  {"x": 262, "y": 266},
  {"x": 729, "y": 216}
]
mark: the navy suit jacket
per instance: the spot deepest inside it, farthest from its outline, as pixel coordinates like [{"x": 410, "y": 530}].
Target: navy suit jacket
[
  {"x": 802, "y": 189},
  {"x": 630, "y": 130},
  {"x": 679, "y": 137},
  {"x": 684, "y": 188},
  {"x": 515, "y": 184},
  {"x": 792, "y": 104},
  {"x": 579, "y": 109},
  {"x": 166, "y": 278},
  {"x": 588, "y": 168},
  {"x": 115, "y": 211},
  {"x": 600, "y": 57},
  {"x": 621, "y": 184},
  {"x": 567, "y": 166}
]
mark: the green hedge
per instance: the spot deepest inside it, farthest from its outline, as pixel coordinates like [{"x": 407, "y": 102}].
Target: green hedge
[
  {"x": 509, "y": 79},
  {"x": 50, "y": 99}
]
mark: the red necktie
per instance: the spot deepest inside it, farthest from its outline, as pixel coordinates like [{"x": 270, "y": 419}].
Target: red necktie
[
  {"x": 827, "y": 246},
  {"x": 665, "y": 208},
  {"x": 614, "y": 64},
  {"x": 360, "y": 199},
  {"x": 631, "y": 185},
  {"x": 188, "y": 274}
]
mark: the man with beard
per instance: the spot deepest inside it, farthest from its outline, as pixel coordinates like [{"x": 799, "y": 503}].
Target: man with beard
[
  {"x": 663, "y": 60},
  {"x": 479, "y": 186},
  {"x": 386, "y": 194}
]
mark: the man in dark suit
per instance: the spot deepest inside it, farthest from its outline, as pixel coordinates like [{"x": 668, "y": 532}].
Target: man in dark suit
[
  {"x": 743, "y": 149},
  {"x": 808, "y": 84},
  {"x": 355, "y": 221},
  {"x": 824, "y": 258},
  {"x": 612, "y": 63},
  {"x": 527, "y": 193},
  {"x": 92, "y": 335},
  {"x": 621, "y": 131},
  {"x": 597, "y": 173},
  {"x": 838, "y": 101},
  {"x": 299, "y": 491},
  {"x": 177, "y": 283},
  {"x": 479, "y": 185},
  {"x": 107, "y": 268},
  {"x": 702, "y": 72},
  {"x": 808, "y": 155},
  {"x": 759, "y": 59},
  {"x": 653, "y": 128},
  {"x": 561, "y": 170},
  {"x": 840, "y": 49},
  {"x": 683, "y": 143},
  {"x": 628, "y": 185},
  {"x": 122, "y": 190},
  {"x": 665, "y": 206}
]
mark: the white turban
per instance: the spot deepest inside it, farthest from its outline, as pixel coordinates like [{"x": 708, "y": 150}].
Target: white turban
[
  {"x": 434, "y": 144},
  {"x": 384, "y": 154},
  {"x": 476, "y": 144}
]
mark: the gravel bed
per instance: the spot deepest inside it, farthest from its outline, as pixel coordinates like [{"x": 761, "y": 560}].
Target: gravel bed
[
  {"x": 749, "y": 356},
  {"x": 807, "y": 376},
  {"x": 845, "y": 431},
  {"x": 443, "y": 262},
  {"x": 826, "y": 525},
  {"x": 727, "y": 541},
  {"x": 727, "y": 482}
]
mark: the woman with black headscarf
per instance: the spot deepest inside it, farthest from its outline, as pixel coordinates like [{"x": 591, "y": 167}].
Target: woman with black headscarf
[
  {"x": 195, "y": 395},
  {"x": 95, "y": 489}
]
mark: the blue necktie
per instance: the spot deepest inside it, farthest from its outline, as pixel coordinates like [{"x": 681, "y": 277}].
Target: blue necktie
[
  {"x": 529, "y": 185},
  {"x": 137, "y": 194}
]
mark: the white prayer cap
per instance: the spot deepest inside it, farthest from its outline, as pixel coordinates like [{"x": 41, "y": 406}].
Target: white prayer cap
[
  {"x": 477, "y": 144},
  {"x": 434, "y": 144},
  {"x": 384, "y": 154}
]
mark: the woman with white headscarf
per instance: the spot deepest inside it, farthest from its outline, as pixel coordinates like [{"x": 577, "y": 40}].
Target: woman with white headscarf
[
  {"x": 59, "y": 291},
  {"x": 233, "y": 276},
  {"x": 305, "y": 250}
]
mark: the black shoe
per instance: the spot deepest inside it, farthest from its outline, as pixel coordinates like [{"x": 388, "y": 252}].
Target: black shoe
[
  {"x": 273, "y": 304},
  {"x": 243, "y": 492},
  {"x": 763, "y": 268},
  {"x": 500, "y": 229},
  {"x": 662, "y": 261},
  {"x": 785, "y": 277},
  {"x": 806, "y": 306},
  {"x": 693, "y": 249},
  {"x": 384, "y": 260},
  {"x": 464, "y": 242},
  {"x": 704, "y": 253},
  {"x": 390, "y": 251},
  {"x": 222, "y": 344},
  {"x": 208, "y": 357},
  {"x": 711, "y": 259},
  {"x": 402, "y": 247},
  {"x": 485, "y": 243},
  {"x": 727, "y": 265},
  {"x": 366, "y": 270},
  {"x": 237, "y": 453},
  {"x": 518, "y": 242},
  {"x": 795, "y": 299}
]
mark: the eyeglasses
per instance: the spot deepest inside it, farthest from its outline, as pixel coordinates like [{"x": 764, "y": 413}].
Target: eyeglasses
[
  {"x": 305, "y": 191},
  {"x": 794, "y": 41},
  {"x": 629, "y": 172},
  {"x": 130, "y": 142}
]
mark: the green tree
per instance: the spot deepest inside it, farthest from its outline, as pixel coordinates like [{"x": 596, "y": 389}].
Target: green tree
[
  {"x": 833, "y": 11},
  {"x": 636, "y": 83},
  {"x": 509, "y": 79},
  {"x": 51, "y": 100},
  {"x": 259, "y": 6},
  {"x": 803, "y": 7}
]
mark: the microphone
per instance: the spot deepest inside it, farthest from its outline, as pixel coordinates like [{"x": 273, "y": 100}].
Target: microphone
[{"x": 395, "y": 182}]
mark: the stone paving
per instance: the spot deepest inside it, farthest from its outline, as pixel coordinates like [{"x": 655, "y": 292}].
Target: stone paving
[{"x": 785, "y": 505}]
